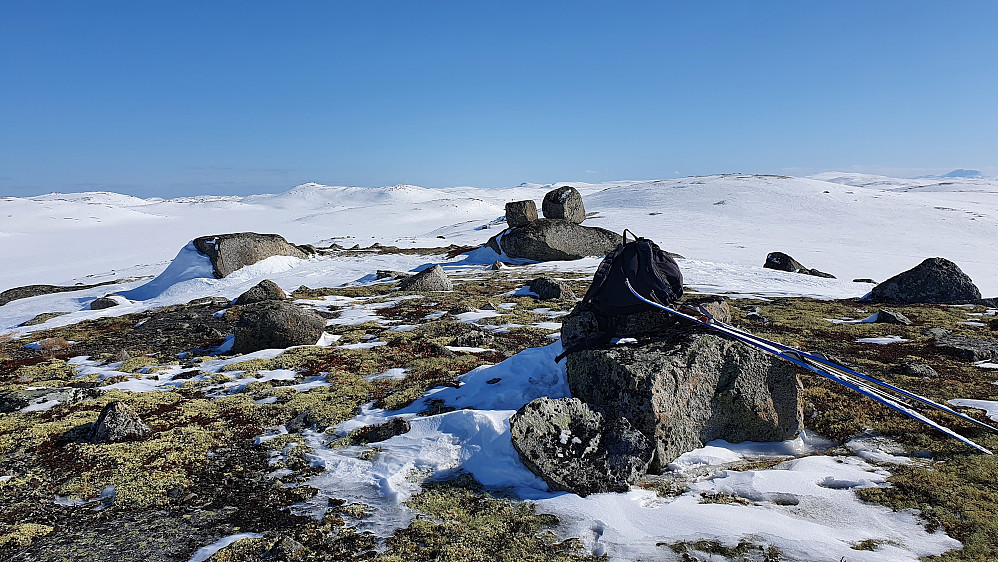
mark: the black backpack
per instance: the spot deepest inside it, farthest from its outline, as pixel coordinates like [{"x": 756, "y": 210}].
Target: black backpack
[{"x": 652, "y": 272}]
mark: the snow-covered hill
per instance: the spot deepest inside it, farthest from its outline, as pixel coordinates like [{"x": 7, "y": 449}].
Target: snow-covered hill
[{"x": 851, "y": 225}]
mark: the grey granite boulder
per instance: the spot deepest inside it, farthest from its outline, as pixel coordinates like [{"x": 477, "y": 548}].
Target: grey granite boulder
[
  {"x": 229, "y": 252},
  {"x": 935, "y": 280},
  {"x": 265, "y": 290},
  {"x": 546, "y": 289},
  {"x": 919, "y": 370},
  {"x": 554, "y": 240},
  {"x": 564, "y": 203},
  {"x": 573, "y": 449},
  {"x": 519, "y": 213},
  {"x": 783, "y": 262},
  {"x": 276, "y": 324},
  {"x": 430, "y": 279},
  {"x": 888, "y": 316},
  {"x": 117, "y": 422},
  {"x": 967, "y": 348},
  {"x": 688, "y": 387}
]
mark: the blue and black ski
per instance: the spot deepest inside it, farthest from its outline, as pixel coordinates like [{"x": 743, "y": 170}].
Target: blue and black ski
[{"x": 864, "y": 384}]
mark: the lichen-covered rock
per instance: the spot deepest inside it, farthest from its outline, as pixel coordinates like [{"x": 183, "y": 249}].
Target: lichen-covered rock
[
  {"x": 229, "y": 252},
  {"x": 935, "y": 280},
  {"x": 920, "y": 370},
  {"x": 783, "y": 262},
  {"x": 888, "y": 316},
  {"x": 554, "y": 240},
  {"x": 117, "y": 422},
  {"x": 265, "y": 290},
  {"x": 569, "y": 445},
  {"x": 102, "y": 303},
  {"x": 519, "y": 213},
  {"x": 564, "y": 203},
  {"x": 276, "y": 324},
  {"x": 546, "y": 289},
  {"x": 690, "y": 387},
  {"x": 431, "y": 279}
]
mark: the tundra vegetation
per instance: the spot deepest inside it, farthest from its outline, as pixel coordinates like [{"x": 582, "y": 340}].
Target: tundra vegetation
[{"x": 202, "y": 475}]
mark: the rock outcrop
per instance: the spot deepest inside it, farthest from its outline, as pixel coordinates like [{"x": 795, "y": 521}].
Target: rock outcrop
[
  {"x": 783, "y": 262},
  {"x": 686, "y": 386},
  {"x": 117, "y": 422},
  {"x": 574, "y": 449},
  {"x": 102, "y": 303},
  {"x": 554, "y": 240},
  {"x": 888, "y": 316},
  {"x": 519, "y": 213},
  {"x": 935, "y": 280},
  {"x": 276, "y": 324},
  {"x": 265, "y": 290},
  {"x": 564, "y": 203},
  {"x": 967, "y": 348},
  {"x": 229, "y": 252},
  {"x": 430, "y": 279}
]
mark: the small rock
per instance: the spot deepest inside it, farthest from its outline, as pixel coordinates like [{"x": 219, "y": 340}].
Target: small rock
[
  {"x": 864, "y": 280},
  {"x": 210, "y": 301},
  {"x": 477, "y": 338},
  {"x": 390, "y": 274},
  {"x": 919, "y": 370},
  {"x": 288, "y": 549},
  {"x": 564, "y": 203},
  {"x": 489, "y": 306},
  {"x": 993, "y": 324},
  {"x": 14, "y": 400},
  {"x": 117, "y": 422},
  {"x": 460, "y": 309},
  {"x": 430, "y": 279},
  {"x": 265, "y": 290},
  {"x": 496, "y": 266},
  {"x": 546, "y": 288},
  {"x": 888, "y": 316},
  {"x": 936, "y": 332},
  {"x": 441, "y": 350},
  {"x": 306, "y": 419},
  {"x": 554, "y": 240},
  {"x": 519, "y": 213},
  {"x": 102, "y": 303}
]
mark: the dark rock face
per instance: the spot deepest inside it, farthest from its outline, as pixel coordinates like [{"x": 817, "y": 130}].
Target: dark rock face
[
  {"x": 864, "y": 280},
  {"x": 573, "y": 449},
  {"x": 265, "y": 290},
  {"x": 554, "y": 240},
  {"x": 431, "y": 279},
  {"x": 564, "y": 203},
  {"x": 687, "y": 388},
  {"x": 383, "y": 432},
  {"x": 546, "y": 289},
  {"x": 888, "y": 316},
  {"x": 783, "y": 262},
  {"x": 229, "y": 252},
  {"x": 967, "y": 348},
  {"x": 935, "y": 280},
  {"x": 102, "y": 303},
  {"x": 117, "y": 422},
  {"x": 14, "y": 400},
  {"x": 276, "y": 324},
  {"x": 993, "y": 324},
  {"x": 519, "y": 213}
]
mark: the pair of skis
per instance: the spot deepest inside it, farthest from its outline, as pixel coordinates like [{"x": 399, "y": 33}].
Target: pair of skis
[{"x": 864, "y": 384}]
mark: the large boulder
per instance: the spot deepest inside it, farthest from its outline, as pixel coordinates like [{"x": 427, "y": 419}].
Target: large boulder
[
  {"x": 265, "y": 290},
  {"x": 276, "y": 324},
  {"x": 431, "y": 279},
  {"x": 564, "y": 203},
  {"x": 519, "y": 213},
  {"x": 686, "y": 387},
  {"x": 935, "y": 280},
  {"x": 117, "y": 422},
  {"x": 229, "y": 252},
  {"x": 967, "y": 348},
  {"x": 554, "y": 240},
  {"x": 574, "y": 449},
  {"x": 783, "y": 262}
]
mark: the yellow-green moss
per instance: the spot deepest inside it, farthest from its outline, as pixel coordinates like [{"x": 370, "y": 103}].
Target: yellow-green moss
[{"x": 21, "y": 535}]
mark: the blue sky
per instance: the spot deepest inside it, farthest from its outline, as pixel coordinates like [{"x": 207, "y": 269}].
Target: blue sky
[{"x": 180, "y": 98}]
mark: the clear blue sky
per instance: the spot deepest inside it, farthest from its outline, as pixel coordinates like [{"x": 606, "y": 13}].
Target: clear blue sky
[{"x": 178, "y": 98}]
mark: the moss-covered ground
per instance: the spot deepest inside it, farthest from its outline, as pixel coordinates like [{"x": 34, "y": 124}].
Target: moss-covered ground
[{"x": 199, "y": 476}]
